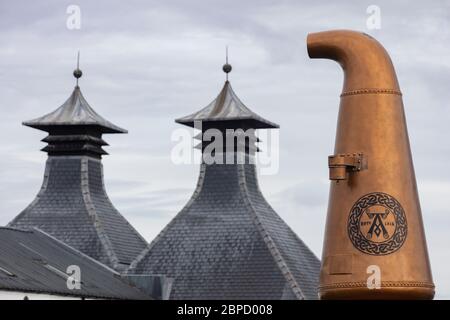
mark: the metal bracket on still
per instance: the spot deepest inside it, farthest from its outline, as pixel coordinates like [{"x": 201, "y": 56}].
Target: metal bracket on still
[{"x": 341, "y": 165}]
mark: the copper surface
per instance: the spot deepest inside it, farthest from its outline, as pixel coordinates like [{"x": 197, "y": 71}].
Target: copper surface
[{"x": 374, "y": 216}]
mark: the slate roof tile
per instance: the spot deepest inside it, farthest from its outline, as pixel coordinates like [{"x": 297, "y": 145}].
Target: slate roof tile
[
  {"x": 73, "y": 206},
  {"x": 240, "y": 250},
  {"x": 227, "y": 242}
]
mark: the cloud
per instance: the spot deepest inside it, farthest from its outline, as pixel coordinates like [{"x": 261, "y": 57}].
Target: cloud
[{"x": 146, "y": 63}]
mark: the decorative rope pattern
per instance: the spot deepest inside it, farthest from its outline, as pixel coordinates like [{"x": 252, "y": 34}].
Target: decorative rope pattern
[
  {"x": 354, "y": 231},
  {"x": 385, "y": 284},
  {"x": 371, "y": 91}
]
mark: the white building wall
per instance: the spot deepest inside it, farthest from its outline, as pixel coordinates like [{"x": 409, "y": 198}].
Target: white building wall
[{"x": 17, "y": 295}]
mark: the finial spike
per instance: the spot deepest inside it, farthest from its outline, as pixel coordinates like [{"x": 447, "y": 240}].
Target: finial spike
[
  {"x": 226, "y": 54},
  {"x": 226, "y": 67},
  {"x": 77, "y": 72}
]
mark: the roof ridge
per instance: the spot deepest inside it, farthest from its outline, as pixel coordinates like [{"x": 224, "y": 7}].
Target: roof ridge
[
  {"x": 287, "y": 225},
  {"x": 101, "y": 231},
  {"x": 220, "y": 99},
  {"x": 235, "y": 96},
  {"x": 271, "y": 246},
  {"x": 194, "y": 196},
  {"x": 37, "y": 197},
  {"x": 90, "y": 207},
  {"x": 14, "y": 229},
  {"x": 115, "y": 209}
]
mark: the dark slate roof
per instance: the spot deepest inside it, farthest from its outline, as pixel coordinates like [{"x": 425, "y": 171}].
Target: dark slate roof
[
  {"x": 73, "y": 206},
  {"x": 227, "y": 107},
  {"x": 228, "y": 243},
  {"x": 74, "y": 112},
  {"x": 33, "y": 261}
]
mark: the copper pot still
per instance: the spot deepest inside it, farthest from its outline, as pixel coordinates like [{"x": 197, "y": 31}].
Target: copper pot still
[{"x": 374, "y": 246}]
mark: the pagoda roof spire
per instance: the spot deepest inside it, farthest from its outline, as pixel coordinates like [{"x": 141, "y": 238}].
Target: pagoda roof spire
[
  {"x": 226, "y": 67},
  {"x": 228, "y": 107},
  {"x": 77, "y": 72},
  {"x": 76, "y": 111}
]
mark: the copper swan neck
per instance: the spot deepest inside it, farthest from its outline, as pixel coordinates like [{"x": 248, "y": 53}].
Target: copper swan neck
[{"x": 366, "y": 64}]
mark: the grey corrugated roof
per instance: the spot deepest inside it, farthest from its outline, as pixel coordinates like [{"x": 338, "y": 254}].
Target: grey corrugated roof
[
  {"x": 227, "y": 107},
  {"x": 228, "y": 243},
  {"x": 73, "y": 206},
  {"x": 74, "y": 112},
  {"x": 33, "y": 261}
]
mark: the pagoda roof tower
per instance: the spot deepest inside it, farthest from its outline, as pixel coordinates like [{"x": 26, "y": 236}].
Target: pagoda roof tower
[
  {"x": 73, "y": 205},
  {"x": 228, "y": 242}
]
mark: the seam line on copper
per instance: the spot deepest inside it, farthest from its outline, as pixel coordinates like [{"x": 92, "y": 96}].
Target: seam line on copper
[
  {"x": 386, "y": 284},
  {"x": 371, "y": 91}
]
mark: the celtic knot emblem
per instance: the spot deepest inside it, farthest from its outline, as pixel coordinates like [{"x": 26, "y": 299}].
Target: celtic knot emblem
[{"x": 377, "y": 224}]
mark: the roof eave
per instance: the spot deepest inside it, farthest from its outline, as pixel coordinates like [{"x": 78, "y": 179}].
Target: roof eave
[
  {"x": 48, "y": 126},
  {"x": 259, "y": 124}
]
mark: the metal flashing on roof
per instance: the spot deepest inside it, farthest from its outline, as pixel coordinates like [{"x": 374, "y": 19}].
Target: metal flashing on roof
[
  {"x": 86, "y": 219},
  {"x": 7, "y": 272},
  {"x": 76, "y": 111},
  {"x": 227, "y": 107}
]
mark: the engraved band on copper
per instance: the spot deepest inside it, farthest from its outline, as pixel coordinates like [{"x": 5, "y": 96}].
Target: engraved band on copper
[
  {"x": 385, "y": 284},
  {"x": 371, "y": 91}
]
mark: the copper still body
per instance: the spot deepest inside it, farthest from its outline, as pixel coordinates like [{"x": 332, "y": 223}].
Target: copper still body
[{"x": 374, "y": 246}]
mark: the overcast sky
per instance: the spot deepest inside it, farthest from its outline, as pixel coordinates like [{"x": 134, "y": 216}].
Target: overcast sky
[{"x": 146, "y": 63}]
